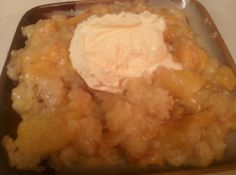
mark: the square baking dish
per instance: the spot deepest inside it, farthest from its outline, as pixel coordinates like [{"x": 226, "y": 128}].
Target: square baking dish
[{"x": 209, "y": 38}]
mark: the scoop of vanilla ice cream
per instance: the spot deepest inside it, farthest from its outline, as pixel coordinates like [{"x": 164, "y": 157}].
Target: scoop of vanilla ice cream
[{"x": 107, "y": 50}]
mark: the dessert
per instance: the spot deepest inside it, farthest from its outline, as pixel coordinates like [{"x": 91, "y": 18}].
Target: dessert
[
  {"x": 107, "y": 50},
  {"x": 84, "y": 105}
]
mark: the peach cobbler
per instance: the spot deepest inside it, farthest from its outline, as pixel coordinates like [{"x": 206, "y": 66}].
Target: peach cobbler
[{"x": 118, "y": 84}]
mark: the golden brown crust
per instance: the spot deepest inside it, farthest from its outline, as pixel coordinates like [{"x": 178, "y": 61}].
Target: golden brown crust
[{"x": 173, "y": 117}]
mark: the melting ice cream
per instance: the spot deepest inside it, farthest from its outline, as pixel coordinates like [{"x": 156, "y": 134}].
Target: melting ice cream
[{"x": 107, "y": 50}]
